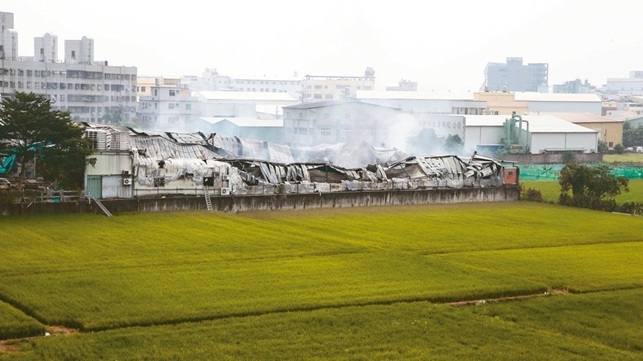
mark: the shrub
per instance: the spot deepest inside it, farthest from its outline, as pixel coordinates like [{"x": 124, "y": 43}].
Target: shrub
[{"x": 532, "y": 195}]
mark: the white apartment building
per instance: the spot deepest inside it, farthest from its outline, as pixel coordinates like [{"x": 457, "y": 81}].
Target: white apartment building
[
  {"x": 168, "y": 107},
  {"x": 92, "y": 91}
]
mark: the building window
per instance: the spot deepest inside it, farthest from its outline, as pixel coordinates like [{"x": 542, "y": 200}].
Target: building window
[
  {"x": 329, "y": 97},
  {"x": 172, "y": 92},
  {"x": 188, "y": 106},
  {"x": 325, "y": 132}
]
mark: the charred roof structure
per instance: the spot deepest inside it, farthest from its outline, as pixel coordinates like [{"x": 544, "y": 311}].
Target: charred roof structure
[{"x": 133, "y": 163}]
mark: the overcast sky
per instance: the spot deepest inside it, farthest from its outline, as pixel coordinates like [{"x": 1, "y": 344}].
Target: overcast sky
[{"x": 441, "y": 45}]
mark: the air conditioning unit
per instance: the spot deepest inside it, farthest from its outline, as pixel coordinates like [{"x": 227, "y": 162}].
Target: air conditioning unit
[
  {"x": 127, "y": 181},
  {"x": 225, "y": 191},
  {"x": 224, "y": 177}
]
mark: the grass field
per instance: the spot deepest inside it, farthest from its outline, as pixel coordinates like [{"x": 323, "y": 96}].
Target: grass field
[
  {"x": 348, "y": 284},
  {"x": 551, "y": 190},
  {"x": 633, "y": 158}
]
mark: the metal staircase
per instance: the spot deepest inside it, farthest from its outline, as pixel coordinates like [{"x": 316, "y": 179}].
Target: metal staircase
[
  {"x": 208, "y": 201},
  {"x": 102, "y": 207}
]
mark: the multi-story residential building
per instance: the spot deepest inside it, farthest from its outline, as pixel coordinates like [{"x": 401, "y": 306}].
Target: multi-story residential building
[
  {"x": 92, "y": 91},
  {"x": 168, "y": 107},
  {"x": 316, "y": 88},
  {"x": 211, "y": 80},
  {"x": 514, "y": 76}
]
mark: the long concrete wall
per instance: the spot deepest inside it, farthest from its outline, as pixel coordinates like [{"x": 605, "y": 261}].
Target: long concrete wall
[{"x": 238, "y": 203}]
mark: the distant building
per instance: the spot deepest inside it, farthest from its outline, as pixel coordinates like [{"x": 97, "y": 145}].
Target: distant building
[
  {"x": 573, "y": 86},
  {"x": 332, "y": 122},
  {"x": 248, "y": 128},
  {"x": 167, "y": 107},
  {"x": 625, "y": 86},
  {"x": 316, "y": 88},
  {"x": 211, "y": 80},
  {"x": 610, "y": 130},
  {"x": 404, "y": 85},
  {"x": 425, "y": 102},
  {"x": 514, "y": 76},
  {"x": 536, "y": 134},
  {"x": 90, "y": 90},
  {"x": 353, "y": 121}
]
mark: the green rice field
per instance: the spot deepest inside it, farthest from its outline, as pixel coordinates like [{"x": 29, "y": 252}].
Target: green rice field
[
  {"x": 551, "y": 190},
  {"x": 489, "y": 281}
]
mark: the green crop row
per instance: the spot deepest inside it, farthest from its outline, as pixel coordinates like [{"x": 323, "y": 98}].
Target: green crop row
[
  {"x": 14, "y": 323},
  {"x": 141, "y": 269},
  {"x": 597, "y": 326}
]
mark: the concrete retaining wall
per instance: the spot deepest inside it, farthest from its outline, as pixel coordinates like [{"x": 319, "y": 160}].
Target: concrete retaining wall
[{"x": 239, "y": 203}]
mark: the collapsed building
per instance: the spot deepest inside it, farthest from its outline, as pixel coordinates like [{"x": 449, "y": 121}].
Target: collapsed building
[{"x": 131, "y": 164}]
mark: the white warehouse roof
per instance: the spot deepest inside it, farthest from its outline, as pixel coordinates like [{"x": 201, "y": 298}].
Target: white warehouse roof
[
  {"x": 248, "y": 96},
  {"x": 555, "y": 97},
  {"x": 413, "y": 95},
  {"x": 246, "y": 122},
  {"x": 537, "y": 123}
]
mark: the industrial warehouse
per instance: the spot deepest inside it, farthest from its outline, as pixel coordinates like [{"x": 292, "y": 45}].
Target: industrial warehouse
[{"x": 131, "y": 164}]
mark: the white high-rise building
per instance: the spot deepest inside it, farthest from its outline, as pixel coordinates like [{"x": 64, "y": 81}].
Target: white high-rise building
[
  {"x": 46, "y": 48},
  {"x": 92, "y": 91}
]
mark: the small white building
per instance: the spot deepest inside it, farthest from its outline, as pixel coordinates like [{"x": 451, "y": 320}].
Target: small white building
[{"x": 538, "y": 133}]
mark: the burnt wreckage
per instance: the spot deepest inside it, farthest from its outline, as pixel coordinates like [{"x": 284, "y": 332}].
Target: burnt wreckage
[{"x": 245, "y": 166}]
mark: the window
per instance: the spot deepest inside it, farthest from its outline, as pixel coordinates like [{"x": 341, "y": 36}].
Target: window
[
  {"x": 172, "y": 92},
  {"x": 317, "y": 96},
  {"x": 329, "y": 97},
  {"x": 325, "y": 132},
  {"x": 188, "y": 106}
]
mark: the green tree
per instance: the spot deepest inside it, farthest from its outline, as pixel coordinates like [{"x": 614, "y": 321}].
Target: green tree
[
  {"x": 453, "y": 143},
  {"x": 48, "y": 137},
  {"x": 632, "y": 136},
  {"x": 590, "y": 187}
]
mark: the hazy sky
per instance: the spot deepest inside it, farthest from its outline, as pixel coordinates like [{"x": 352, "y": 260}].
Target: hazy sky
[{"x": 442, "y": 45}]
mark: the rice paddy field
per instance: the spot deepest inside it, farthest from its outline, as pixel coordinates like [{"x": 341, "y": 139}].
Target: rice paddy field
[
  {"x": 489, "y": 281},
  {"x": 550, "y": 190}
]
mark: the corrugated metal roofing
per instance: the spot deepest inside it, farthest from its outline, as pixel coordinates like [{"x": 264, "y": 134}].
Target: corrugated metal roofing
[{"x": 537, "y": 123}]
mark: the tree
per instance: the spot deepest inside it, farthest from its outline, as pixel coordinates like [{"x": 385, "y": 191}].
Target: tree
[
  {"x": 35, "y": 132},
  {"x": 632, "y": 136},
  {"x": 453, "y": 143},
  {"x": 590, "y": 187}
]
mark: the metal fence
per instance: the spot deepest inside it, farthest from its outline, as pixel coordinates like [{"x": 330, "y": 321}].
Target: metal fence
[{"x": 551, "y": 172}]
